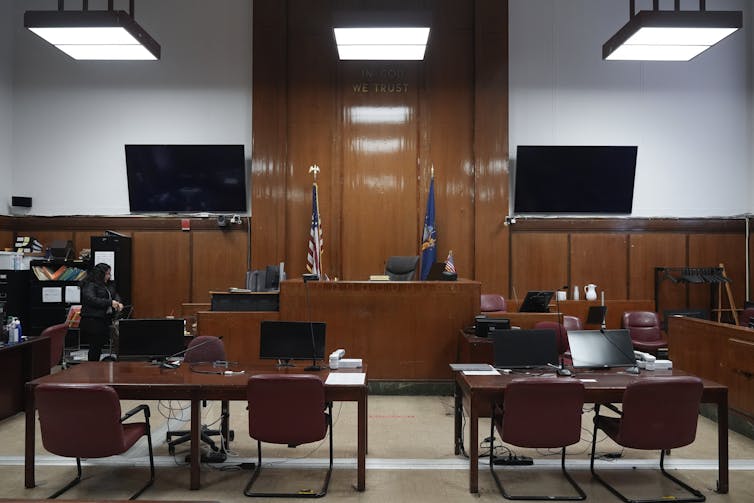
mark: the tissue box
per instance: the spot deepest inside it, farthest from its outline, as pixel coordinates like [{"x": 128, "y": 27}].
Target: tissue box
[
  {"x": 663, "y": 364},
  {"x": 349, "y": 363}
]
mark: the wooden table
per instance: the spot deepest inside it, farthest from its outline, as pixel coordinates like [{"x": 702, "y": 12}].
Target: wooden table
[
  {"x": 478, "y": 392},
  {"x": 21, "y": 362},
  {"x": 143, "y": 381}
]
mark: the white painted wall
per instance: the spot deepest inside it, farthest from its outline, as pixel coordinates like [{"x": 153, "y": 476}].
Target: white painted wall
[
  {"x": 6, "y": 104},
  {"x": 691, "y": 121},
  {"x": 72, "y": 118}
]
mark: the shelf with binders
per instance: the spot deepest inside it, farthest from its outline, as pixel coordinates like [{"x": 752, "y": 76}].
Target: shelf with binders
[{"x": 54, "y": 288}]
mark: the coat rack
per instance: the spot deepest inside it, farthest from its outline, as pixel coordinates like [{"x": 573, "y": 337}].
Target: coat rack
[{"x": 713, "y": 276}]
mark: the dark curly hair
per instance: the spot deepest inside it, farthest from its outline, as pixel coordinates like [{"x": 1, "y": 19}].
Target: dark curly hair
[{"x": 97, "y": 274}]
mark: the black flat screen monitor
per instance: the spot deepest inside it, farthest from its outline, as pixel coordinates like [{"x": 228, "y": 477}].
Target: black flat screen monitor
[
  {"x": 483, "y": 325},
  {"x": 601, "y": 349},
  {"x": 186, "y": 178},
  {"x": 516, "y": 349},
  {"x": 536, "y": 301},
  {"x": 150, "y": 338},
  {"x": 292, "y": 340},
  {"x": 555, "y": 179}
]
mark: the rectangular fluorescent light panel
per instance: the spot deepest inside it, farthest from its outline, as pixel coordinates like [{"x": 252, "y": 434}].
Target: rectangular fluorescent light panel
[
  {"x": 385, "y": 44},
  {"x": 93, "y": 35},
  {"x": 670, "y": 35}
]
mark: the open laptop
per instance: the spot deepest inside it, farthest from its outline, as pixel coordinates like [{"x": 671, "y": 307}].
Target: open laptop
[
  {"x": 601, "y": 348},
  {"x": 519, "y": 349}
]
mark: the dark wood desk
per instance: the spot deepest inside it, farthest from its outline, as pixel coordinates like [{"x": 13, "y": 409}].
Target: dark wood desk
[
  {"x": 143, "y": 381},
  {"x": 21, "y": 362},
  {"x": 477, "y": 392}
]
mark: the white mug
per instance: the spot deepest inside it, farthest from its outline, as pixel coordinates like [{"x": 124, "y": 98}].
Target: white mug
[{"x": 560, "y": 295}]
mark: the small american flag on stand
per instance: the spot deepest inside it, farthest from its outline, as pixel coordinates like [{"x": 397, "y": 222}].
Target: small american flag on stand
[
  {"x": 316, "y": 241},
  {"x": 449, "y": 265}
]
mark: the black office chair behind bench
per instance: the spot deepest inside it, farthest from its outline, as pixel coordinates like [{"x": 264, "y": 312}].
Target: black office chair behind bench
[{"x": 204, "y": 348}]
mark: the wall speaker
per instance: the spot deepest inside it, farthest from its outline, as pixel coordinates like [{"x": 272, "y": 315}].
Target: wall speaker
[{"x": 23, "y": 202}]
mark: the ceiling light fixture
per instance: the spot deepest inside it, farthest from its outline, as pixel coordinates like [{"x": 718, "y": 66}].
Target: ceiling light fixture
[
  {"x": 94, "y": 34},
  {"x": 381, "y": 36},
  {"x": 670, "y": 35}
]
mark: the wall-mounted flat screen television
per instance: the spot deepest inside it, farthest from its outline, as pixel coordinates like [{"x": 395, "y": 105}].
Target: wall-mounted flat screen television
[
  {"x": 186, "y": 178},
  {"x": 574, "y": 179}
]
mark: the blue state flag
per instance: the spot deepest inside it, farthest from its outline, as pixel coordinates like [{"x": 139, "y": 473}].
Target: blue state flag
[{"x": 429, "y": 235}]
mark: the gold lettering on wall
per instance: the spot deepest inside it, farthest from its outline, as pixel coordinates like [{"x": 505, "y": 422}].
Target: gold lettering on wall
[{"x": 385, "y": 81}]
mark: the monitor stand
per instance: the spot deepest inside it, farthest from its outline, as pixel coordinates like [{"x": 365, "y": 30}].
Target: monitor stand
[
  {"x": 284, "y": 363},
  {"x": 313, "y": 367}
]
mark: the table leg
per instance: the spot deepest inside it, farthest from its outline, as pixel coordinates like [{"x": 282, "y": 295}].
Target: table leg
[
  {"x": 722, "y": 444},
  {"x": 473, "y": 446},
  {"x": 225, "y": 424},
  {"x": 458, "y": 420},
  {"x": 361, "y": 451},
  {"x": 30, "y": 438},
  {"x": 196, "y": 422}
]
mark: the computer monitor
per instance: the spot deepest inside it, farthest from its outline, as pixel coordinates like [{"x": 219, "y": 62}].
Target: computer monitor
[
  {"x": 516, "y": 349},
  {"x": 601, "y": 348},
  {"x": 150, "y": 338},
  {"x": 483, "y": 324},
  {"x": 596, "y": 315},
  {"x": 536, "y": 301},
  {"x": 292, "y": 340},
  {"x": 702, "y": 314}
]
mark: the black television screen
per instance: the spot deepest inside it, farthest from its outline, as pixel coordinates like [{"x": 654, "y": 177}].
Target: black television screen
[
  {"x": 292, "y": 340},
  {"x": 150, "y": 338},
  {"x": 574, "y": 179},
  {"x": 186, "y": 178}
]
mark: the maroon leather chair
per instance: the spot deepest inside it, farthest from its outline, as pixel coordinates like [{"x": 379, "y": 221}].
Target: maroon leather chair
[
  {"x": 525, "y": 419},
  {"x": 492, "y": 303},
  {"x": 288, "y": 409},
  {"x": 57, "y": 334},
  {"x": 645, "y": 330},
  {"x": 559, "y": 330},
  {"x": 572, "y": 322},
  {"x": 204, "y": 349},
  {"x": 659, "y": 413},
  {"x": 84, "y": 421}
]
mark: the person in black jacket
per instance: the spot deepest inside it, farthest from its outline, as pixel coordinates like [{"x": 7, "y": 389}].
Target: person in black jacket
[{"x": 99, "y": 301}]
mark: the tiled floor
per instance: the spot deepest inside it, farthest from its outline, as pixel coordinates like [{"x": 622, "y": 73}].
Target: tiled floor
[{"x": 410, "y": 459}]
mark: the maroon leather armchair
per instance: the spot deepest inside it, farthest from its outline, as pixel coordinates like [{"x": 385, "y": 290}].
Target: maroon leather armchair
[
  {"x": 84, "y": 421},
  {"x": 572, "y": 322},
  {"x": 658, "y": 413},
  {"x": 525, "y": 419},
  {"x": 560, "y": 331},
  {"x": 288, "y": 409},
  {"x": 746, "y": 315},
  {"x": 492, "y": 303},
  {"x": 57, "y": 334},
  {"x": 645, "y": 330},
  {"x": 201, "y": 349}
]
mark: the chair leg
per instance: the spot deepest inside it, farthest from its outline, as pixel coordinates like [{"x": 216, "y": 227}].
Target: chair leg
[
  {"x": 151, "y": 465},
  {"x": 71, "y": 483},
  {"x": 581, "y": 495},
  {"x": 258, "y": 469},
  {"x": 698, "y": 496}
]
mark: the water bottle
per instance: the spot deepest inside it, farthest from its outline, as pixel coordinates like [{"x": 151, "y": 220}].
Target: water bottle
[
  {"x": 17, "y": 262},
  {"x": 19, "y": 332},
  {"x": 13, "y": 331}
]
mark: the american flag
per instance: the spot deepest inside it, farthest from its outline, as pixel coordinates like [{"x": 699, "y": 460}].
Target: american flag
[
  {"x": 316, "y": 242},
  {"x": 449, "y": 265}
]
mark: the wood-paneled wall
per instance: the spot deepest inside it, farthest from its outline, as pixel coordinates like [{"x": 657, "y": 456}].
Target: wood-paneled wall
[
  {"x": 169, "y": 266},
  {"x": 377, "y": 129}
]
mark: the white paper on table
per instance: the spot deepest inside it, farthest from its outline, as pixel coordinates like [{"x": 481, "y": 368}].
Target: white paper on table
[
  {"x": 73, "y": 294},
  {"x": 492, "y": 372},
  {"x": 346, "y": 378},
  {"x": 52, "y": 294}
]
